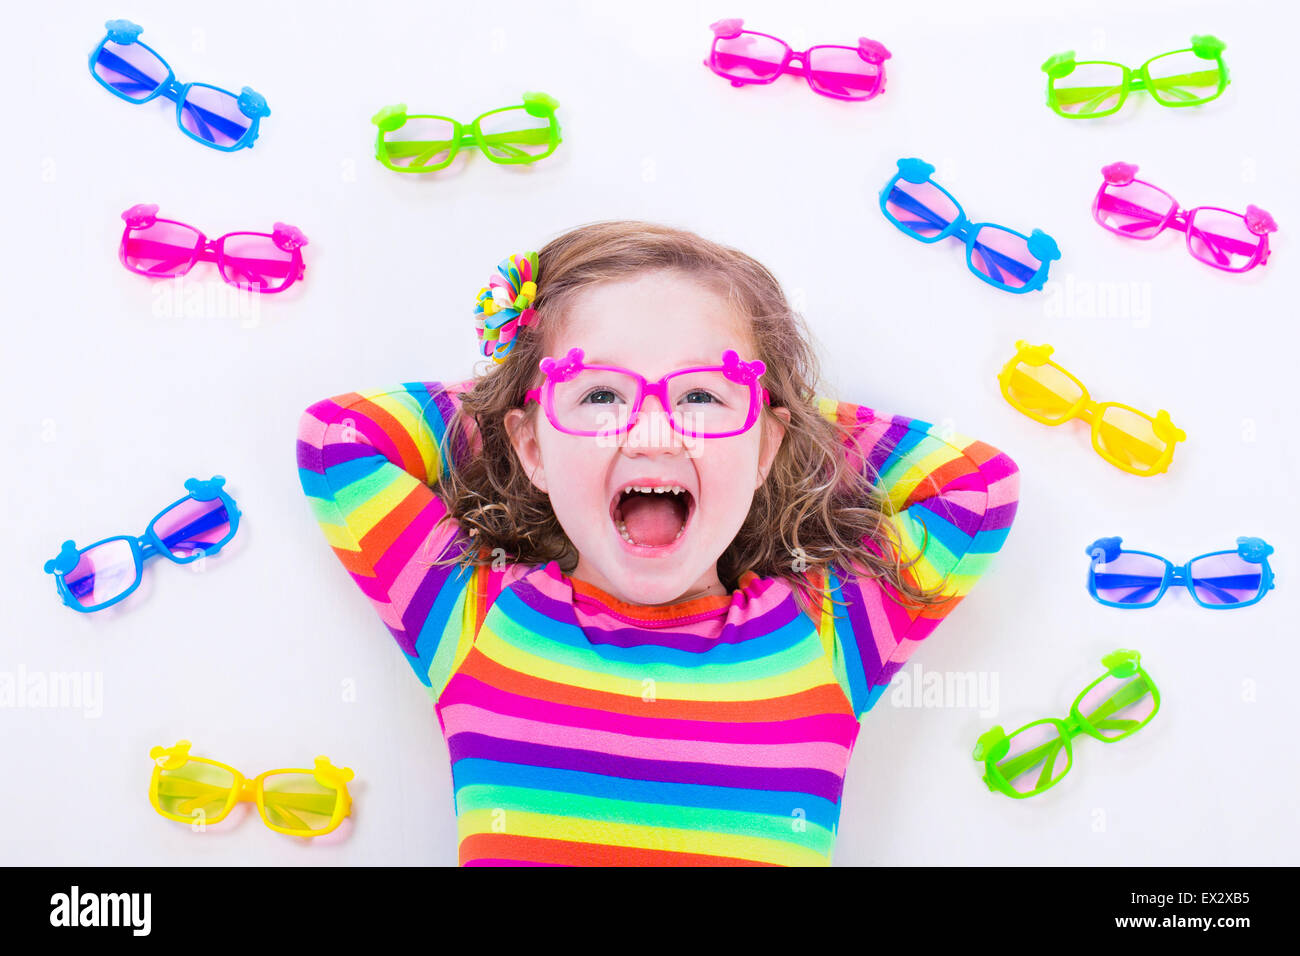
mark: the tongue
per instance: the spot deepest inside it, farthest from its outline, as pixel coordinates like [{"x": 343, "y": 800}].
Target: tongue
[{"x": 651, "y": 520}]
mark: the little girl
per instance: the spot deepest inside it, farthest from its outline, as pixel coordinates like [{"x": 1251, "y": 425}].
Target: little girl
[{"x": 650, "y": 611}]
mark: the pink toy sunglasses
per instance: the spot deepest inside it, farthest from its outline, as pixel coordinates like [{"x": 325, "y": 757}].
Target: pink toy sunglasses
[
  {"x": 840, "y": 72},
  {"x": 707, "y": 401},
  {"x": 256, "y": 261},
  {"x": 1218, "y": 237}
]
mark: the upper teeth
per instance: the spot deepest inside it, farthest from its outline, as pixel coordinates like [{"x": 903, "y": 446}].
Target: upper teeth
[{"x": 657, "y": 489}]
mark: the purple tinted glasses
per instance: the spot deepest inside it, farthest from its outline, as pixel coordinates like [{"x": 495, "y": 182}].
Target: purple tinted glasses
[
  {"x": 707, "y": 401},
  {"x": 840, "y": 72},
  {"x": 1119, "y": 577},
  {"x": 135, "y": 72},
  {"x": 1218, "y": 237},
  {"x": 106, "y": 572}
]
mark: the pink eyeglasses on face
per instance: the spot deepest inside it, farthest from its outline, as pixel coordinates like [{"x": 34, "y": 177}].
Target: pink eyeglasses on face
[
  {"x": 1221, "y": 238},
  {"x": 707, "y": 401}
]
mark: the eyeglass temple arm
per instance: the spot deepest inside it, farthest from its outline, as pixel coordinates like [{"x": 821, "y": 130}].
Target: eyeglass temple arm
[
  {"x": 1221, "y": 585},
  {"x": 1129, "y": 694},
  {"x": 426, "y": 149},
  {"x": 1173, "y": 84},
  {"x": 204, "y": 522},
  {"x": 1218, "y": 585},
  {"x": 1090, "y": 96},
  {"x": 993, "y": 259},
  {"x": 205, "y": 119},
  {"x": 1143, "y": 584},
  {"x": 201, "y": 793},
  {"x": 763, "y": 68},
  {"x": 249, "y": 266},
  {"x": 928, "y": 217},
  {"x": 1010, "y": 769},
  {"x": 729, "y": 61},
  {"x": 726, "y": 59},
  {"x": 153, "y": 249},
  {"x": 1094, "y": 96}
]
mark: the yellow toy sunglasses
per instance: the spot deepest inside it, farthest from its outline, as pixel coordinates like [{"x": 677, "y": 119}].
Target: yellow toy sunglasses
[
  {"x": 305, "y": 803},
  {"x": 1127, "y": 438}
]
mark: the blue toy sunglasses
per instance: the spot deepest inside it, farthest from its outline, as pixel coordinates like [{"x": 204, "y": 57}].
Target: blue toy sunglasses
[
  {"x": 1002, "y": 257},
  {"x": 193, "y": 527},
  {"x": 1218, "y": 580},
  {"x": 214, "y": 117}
]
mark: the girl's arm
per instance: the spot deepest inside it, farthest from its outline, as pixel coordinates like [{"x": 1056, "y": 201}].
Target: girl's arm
[
  {"x": 367, "y": 461},
  {"x": 951, "y": 495}
]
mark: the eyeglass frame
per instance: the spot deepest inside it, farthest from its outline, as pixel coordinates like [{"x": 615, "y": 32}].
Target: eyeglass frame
[
  {"x": 1062, "y": 65},
  {"x": 871, "y": 52},
  {"x": 733, "y": 367},
  {"x": 286, "y": 238},
  {"x": 390, "y": 119},
  {"x": 251, "y": 103},
  {"x": 1038, "y": 244},
  {"x": 1252, "y": 550},
  {"x": 1089, "y": 410},
  {"x": 1181, "y": 218},
  {"x": 251, "y": 789},
  {"x": 994, "y": 744},
  {"x": 148, "y": 545}
]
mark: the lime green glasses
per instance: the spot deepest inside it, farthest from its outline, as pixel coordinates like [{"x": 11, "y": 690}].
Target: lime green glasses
[
  {"x": 1086, "y": 89},
  {"x": 425, "y": 143},
  {"x": 1034, "y": 758}
]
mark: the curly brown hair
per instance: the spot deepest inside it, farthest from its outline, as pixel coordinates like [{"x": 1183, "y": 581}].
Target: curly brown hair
[{"x": 816, "y": 510}]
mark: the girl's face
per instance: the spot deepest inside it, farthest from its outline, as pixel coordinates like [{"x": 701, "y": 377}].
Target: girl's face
[{"x": 652, "y": 324}]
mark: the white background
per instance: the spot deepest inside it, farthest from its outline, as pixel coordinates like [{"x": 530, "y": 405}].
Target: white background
[{"x": 110, "y": 403}]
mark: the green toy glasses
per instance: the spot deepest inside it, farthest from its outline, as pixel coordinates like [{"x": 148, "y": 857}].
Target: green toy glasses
[
  {"x": 425, "y": 143},
  {"x": 1086, "y": 89},
  {"x": 1114, "y": 706}
]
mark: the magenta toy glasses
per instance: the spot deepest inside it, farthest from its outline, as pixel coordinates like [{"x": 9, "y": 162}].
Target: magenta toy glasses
[
  {"x": 255, "y": 261},
  {"x": 840, "y": 72},
  {"x": 707, "y": 401},
  {"x": 1218, "y": 237}
]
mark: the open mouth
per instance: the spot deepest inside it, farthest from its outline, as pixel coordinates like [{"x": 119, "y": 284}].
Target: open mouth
[{"x": 652, "y": 516}]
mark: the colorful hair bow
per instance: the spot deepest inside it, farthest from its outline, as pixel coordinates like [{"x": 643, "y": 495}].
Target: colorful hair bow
[{"x": 505, "y": 304}]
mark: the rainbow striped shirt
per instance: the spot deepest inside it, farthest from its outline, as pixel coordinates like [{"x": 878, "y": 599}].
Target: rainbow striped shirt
[{"x": 583, "y": 730}]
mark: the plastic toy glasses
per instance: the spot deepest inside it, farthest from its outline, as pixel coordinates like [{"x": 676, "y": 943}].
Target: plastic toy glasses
[
  {"x": 1002, "y": 257},
  {"x": 1086, "y": 89},
  {"x": 1127, "y": 438},
  {"x": 1220, "y": 579},
  {"x": 840, "y": 72},
  {"x": 708, "y": 401},
  {"x": 255, "y": 261},
  {"x": 214, "y": 117},
  {"x": 1137, "y": 210},
  {"x": 100, "y": 575},
  {"x": 305, "y": 803},
  {"x": 1034, "y": 758},
  {"x": 425, "y": 143}
]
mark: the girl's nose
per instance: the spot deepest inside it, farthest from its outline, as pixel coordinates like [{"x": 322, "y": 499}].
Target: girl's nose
[{"x": 652, "y": 430}]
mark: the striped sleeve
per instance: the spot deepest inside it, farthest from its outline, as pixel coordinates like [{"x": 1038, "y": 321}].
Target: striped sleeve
[
  {"x": 953, "y": 501},
  {"x": 367, "y": 462}
]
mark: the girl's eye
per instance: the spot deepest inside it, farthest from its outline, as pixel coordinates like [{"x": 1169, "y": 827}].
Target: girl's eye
[
  {"x": 601, "y": 396},
  {"x": 698, "y": 396}
]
